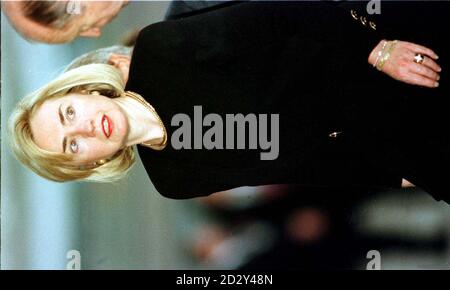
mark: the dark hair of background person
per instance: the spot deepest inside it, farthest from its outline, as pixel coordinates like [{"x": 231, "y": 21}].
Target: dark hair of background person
[{"x": 48, "y": 13}]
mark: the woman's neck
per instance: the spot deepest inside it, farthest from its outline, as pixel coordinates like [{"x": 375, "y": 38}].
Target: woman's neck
[{"x": 144, "y": 126}]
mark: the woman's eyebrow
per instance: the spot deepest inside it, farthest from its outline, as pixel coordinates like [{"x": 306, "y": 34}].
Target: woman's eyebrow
[
  {"x": 61, "y": 116},
  {"x": 64, "y": 144},
  {"x": 63, "y": 121}
]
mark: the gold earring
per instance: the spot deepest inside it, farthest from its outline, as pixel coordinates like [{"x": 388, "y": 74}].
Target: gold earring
[{"x": 98, "y": 163}]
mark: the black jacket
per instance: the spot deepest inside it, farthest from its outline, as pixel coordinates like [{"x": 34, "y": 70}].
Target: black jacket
[
  {"x": 181, "y": 8},
  {"x": 306, "y": 62}
]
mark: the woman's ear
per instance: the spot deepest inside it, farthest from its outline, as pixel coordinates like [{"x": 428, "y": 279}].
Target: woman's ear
[{"x": 122, "y": 63}]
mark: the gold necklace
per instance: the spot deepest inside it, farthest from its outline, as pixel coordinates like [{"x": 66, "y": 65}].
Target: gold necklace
[{"x": 142, "y": 101}]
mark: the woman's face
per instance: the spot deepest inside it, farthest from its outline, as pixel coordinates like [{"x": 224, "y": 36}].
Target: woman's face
[{"x": 88, "y": 127}]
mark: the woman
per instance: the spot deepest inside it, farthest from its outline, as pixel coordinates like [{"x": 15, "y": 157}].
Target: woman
[{"x": 252, "y": 59}]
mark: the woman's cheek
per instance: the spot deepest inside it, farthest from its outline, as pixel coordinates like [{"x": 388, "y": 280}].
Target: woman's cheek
[{"x": 86, "y": 149}]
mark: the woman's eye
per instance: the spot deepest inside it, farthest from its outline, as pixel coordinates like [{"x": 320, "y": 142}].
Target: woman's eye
[
  {"x": 70, "y": 113},
  {"x": 74, "y": 146}
]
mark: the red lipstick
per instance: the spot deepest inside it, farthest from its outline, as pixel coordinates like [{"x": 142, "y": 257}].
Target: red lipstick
[{"x": 107, "y": 126}]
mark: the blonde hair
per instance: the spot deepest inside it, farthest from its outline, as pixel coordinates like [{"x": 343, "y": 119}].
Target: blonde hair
[{"x": 56, "y": 166}]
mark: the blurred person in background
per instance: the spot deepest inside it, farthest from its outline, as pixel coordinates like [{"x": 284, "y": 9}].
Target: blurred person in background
[
  {"x": 293, "y": 227},
  {"x": 63, "y": 21},
  {"x": 280, "y": 227},
  {"x": 60, "y": 21}
]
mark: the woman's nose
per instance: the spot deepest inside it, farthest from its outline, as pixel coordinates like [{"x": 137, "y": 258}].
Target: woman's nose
[{"x": 84, "y": 128}]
